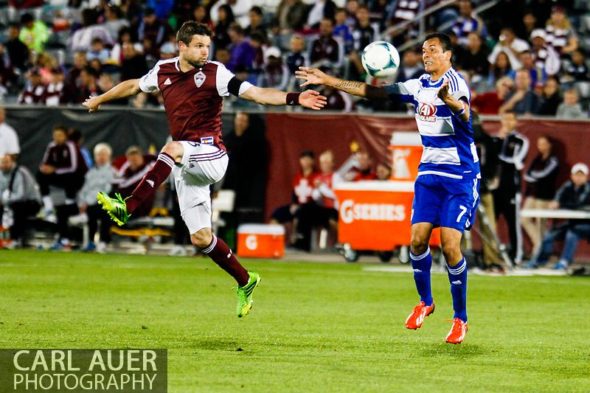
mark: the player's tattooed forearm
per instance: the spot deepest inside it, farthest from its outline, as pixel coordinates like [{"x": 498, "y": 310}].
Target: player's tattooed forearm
[{"x": 349, "y": 85}]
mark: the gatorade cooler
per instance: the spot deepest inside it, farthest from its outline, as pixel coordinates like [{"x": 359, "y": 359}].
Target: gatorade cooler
[
  {"x": 4, "y": 237},
  {"x": 261, "y": 241},
  {"x": 406, "y": 150}
]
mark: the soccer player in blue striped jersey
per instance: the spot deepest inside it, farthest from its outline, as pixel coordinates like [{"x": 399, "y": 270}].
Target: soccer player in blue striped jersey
[{"x": 446, "y": 192}]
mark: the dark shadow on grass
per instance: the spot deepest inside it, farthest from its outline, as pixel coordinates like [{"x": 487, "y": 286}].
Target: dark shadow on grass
[
  {"x": 214, "y": 344},
  {"x": 460, "y": 351}
]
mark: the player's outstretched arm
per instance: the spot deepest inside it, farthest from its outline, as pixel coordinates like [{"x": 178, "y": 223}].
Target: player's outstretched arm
[
  {"x": 314, "y": 76},
  {"x": 124, "y": 89},
  {"x": 267, "y": 96}
]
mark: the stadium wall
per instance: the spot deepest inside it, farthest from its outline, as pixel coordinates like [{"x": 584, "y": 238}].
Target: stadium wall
[{"x": 288, "y": 134}]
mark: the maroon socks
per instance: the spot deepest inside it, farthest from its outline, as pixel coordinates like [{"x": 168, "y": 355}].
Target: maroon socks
[
  {"x": 225, "y": 258},
  {"x": 150, "y": 182}
]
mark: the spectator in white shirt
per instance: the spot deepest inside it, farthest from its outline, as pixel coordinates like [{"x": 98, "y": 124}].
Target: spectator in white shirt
[
  {"x": 511, "y": 45},
  {"x": 8, "y": 137}
]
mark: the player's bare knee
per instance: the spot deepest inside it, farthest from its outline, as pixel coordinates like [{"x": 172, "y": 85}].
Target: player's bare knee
[
  {"x": 202, "y": 238},
  {"x": 174, "y": 149},
  {"x": 418, "y": 245},
  {"x": 452, "y": 253}
]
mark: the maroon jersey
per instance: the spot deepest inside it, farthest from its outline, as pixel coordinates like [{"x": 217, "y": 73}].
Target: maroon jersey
[{"x": 193, "y": 100}]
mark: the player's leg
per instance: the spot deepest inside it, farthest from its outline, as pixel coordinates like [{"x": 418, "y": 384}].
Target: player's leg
[
  {"x": 424, "y": 217},
  {"x": 457, "y": 272},
  {"x": 120, "y": 210},
  {"x": 202, "y": 166},
  {"x": 459, "y": 211}
]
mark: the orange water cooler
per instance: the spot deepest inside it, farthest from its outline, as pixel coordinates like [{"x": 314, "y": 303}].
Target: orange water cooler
[
  {"x": 261, "y": 241},
  {"x": 406, "y": 148}
]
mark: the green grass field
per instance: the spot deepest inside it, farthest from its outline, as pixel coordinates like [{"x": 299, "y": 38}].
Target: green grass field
[{"x": 314, "y": 327}]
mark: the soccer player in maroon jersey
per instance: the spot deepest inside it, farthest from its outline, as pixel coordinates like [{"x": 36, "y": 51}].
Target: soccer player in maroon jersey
[{"x": 193, "y": 89}]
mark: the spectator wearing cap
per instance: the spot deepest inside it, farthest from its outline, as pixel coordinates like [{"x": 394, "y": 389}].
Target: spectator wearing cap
[
  {"x": 560, "y": 34},
  {"x": 511, "y": 45},
  {"x": 570, "y": 108},
  {"x": 468, "y": 22},
  {"x": 275, "y": 73},
  {"x": 34, "y": 91},
  {"x": 573, "y": 195},
  {"x": 33, "y": 33},
  {"x": 544, "y": 56}
]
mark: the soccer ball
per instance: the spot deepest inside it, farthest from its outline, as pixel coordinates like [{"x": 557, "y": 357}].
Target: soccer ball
[{"x": 380, "y": 59}]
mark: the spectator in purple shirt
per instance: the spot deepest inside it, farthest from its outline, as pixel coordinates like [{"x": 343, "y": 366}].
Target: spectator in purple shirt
[{"x": 241, "y": 52}]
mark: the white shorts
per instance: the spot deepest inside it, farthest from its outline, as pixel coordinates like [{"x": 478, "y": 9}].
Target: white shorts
[{"x": 201, "y": 166}]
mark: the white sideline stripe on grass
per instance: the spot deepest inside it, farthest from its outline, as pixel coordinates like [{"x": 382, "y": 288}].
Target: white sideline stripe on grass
[{"x": 514, "y": 273}]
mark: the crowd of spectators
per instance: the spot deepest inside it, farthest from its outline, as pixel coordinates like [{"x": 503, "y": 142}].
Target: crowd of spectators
[{"x": 533, "y": 62}]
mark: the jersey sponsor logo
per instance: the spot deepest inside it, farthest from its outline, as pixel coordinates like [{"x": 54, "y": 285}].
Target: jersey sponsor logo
[
  {"x": 200, "y": 78},
  {"x": 351, "y": 211},
  {"x": 427, "y": 112}
]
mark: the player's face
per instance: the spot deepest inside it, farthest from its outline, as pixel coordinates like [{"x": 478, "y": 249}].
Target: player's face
[
  {"x": 434, "y": 58},
  {"x": 196, "y": 52},
  {"x": 543, "y": 145}
]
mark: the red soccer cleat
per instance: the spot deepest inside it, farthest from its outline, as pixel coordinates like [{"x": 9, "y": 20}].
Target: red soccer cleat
[
  {"x": 457, "y": 333},
  {"x": 417, "y": 316}
]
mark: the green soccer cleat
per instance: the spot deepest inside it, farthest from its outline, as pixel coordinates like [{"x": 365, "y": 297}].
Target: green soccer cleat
[
  {"x": 116, "y": 207},
  {"x": 245, "y": 295}
]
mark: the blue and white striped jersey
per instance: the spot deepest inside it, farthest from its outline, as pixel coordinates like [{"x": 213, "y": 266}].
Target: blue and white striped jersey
[{"x": 448, "y": 144}]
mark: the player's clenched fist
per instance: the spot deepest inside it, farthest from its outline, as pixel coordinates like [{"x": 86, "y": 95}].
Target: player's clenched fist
[{"x": 92, "y": 103}]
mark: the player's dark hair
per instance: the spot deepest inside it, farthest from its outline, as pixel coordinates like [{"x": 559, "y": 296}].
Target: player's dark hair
[
  {"x": 307, "y": 153},
  {"x": 445, "y": 40},
  {"x": 191, "y": 28}
]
